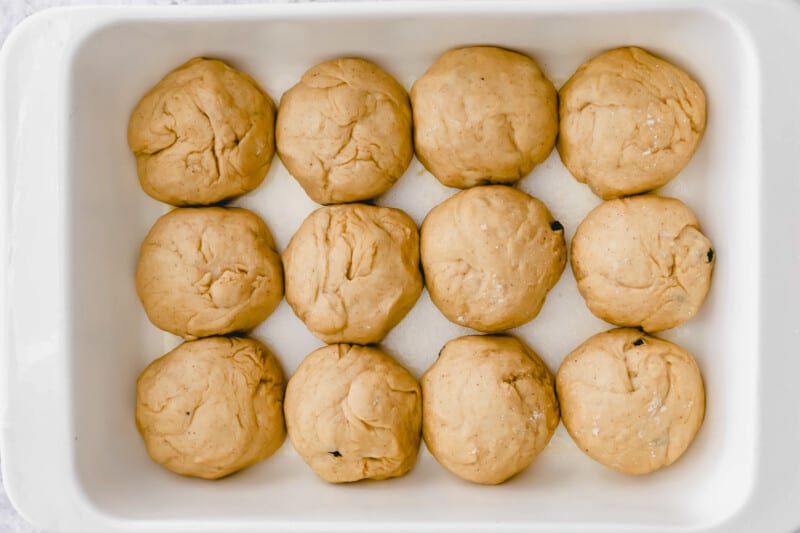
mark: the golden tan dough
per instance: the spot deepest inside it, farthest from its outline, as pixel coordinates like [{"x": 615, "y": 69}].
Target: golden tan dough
[
  {"x": 352, "y": 272},
  {"x": 642, "y": 261},
  {"x": 344, "y": 131},
  {"x": 483, "y": 115},
  {"x": 631, "y": 401},
  {"x": 211, "y": 407},
  {"x": 209, "y": 271},
  {"x": 489, "y": 407},
  {"x": 203, "y": 134},
  {"x": 352, "y": 413},
  {"x": 490, "y": 256},
  {"x": 629, "y": 122}
]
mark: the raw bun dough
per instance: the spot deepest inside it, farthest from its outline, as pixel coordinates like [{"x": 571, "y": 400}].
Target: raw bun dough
[
  {"x": 490, "y": 256},
  {"x": 630, "y": 401},
  {"x": 629, "y": 122},
  {"x": 353, "y": 413},
  {"x": 203, "y": 134},
  {"x": 211, "y": 407},
  {"x": 352, "y": 272},
  {"x": 489, "y": 408},
  {"x": 209, "y": 271},
  {"x": 642, "y": 261},
  {"x": 344, "y": 131},
  {"x": 483, "y": 115}
]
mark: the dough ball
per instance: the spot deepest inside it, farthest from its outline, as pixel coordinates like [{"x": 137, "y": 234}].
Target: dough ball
[
  {"x": 490, "y": 256},
  {"x": 489, "y": 408},
  {"x": 642, "y": 261},
  {"x": 629, "y": 122},
  {"x": 211, "y": 407},
  {"x": 209, "y": 271},
  {"x": 203, "y": 134},
  {"x": 353, "y": 413},
  {"x": 483, "y": 115},
  {"x": 630, "y": 401},
  {"x": 344, "y": 131},
  {"x": 352, "y": 272}
]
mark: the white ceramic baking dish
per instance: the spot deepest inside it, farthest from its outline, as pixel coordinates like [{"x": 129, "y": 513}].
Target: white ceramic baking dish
[{"x": 74, "y": 336}]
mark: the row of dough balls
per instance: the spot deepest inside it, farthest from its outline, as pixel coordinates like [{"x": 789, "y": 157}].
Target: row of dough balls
[
  {"x": 486, "y": 408},
  {"x": 490, "y": 254},
  {"x": 627, "y": 122}
]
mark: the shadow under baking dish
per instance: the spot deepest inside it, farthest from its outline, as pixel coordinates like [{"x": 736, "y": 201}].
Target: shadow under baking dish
[{"x": 112, "y": 341}]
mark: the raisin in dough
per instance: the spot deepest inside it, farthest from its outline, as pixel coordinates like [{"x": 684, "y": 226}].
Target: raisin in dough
[
  {"x": 489, "y": 408},
  {"x": 490, "y": 256},
  {"x": 483, "y": 115},
  {"x": 211, "y": 407},
  {"x": 203, "y": 134},
  {"x": 344, "y": 131},
  {"x": 352, "y": 272},
  {"x": 354, "y": 413},
  {"x": 629, "y": 122},
  {"x": 631, "y": 401},
  {"x": 642, "y": 261},
  {"x": 209, "y": 271}
]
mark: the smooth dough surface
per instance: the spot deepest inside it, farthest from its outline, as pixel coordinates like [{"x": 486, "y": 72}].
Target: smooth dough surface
[
  {"x": 211, "y": 407},
  {"x": 642, "y": 261},
  {"x": 209, "y": 271},
  {"x": 629, "y": 122},
  {"x": 352, "y": 412},
  {"x": 631, "y": 401},
  {"x": 344, "y": 131},
  {"x": 203, "y": 134},
  {"x": 352, "y": 272},
  {"x": 489, "y": 407},
  {"x": 483, "y": 115},
  {"x": 490, "y": 256}
]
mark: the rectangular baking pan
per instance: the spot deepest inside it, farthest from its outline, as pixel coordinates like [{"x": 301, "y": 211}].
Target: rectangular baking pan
[{"x": 72, "y": 215}]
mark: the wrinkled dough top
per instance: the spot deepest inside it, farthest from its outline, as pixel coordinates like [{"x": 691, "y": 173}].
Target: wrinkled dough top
[
  {"x": 352, "y": 272},
  {"x": 629, "y": 122},
  {"x": 211, "y": 407},
  {"x": 483, "y": 115},
  {"x": 202, "y": 134},
  {"x": 490, "y": 255},
  {"x": 209, "y": 271},
  {"x": 353, "y": 413},
  {"x": 630, "y": 401},
  {"x": 344, "y": 131},
  {"x": 642, "y": 261},
  {"x": 489, "y": 407}
]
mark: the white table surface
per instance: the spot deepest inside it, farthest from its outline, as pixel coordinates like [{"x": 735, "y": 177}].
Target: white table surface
[{"x": 11, "y": 13}]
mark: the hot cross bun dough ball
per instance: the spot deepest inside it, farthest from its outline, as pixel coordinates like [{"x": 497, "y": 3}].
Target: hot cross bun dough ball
[
  {"x": 352, "y": 272},
  {"x": 490, "y": 256},
  {"x": 211, "y": 407},
  {"x": 489, "y": 407},
  {"x": 483, "y": 115},
  {"x": 203, "y": 134},
  {"x": 352, "y": 413},
  {"x": 631, "y": 401},
  {"x": 344, "y": 131},
  {"x": 209, "y": 271},
  {"x": 642, "y": 261},
  {"x": 629, "y": 123}
]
